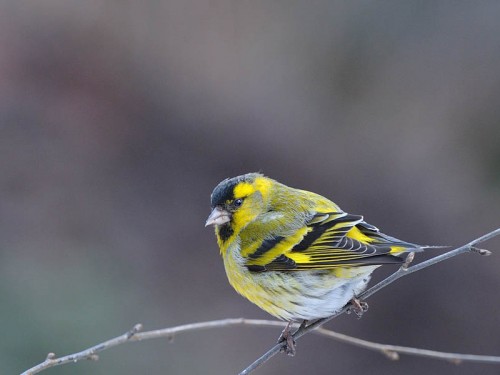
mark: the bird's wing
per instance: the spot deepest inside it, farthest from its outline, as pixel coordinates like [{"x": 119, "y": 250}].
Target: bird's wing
[{"x": 327, "y": 241}]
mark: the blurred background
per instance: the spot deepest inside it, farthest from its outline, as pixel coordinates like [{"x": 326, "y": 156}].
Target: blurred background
[{"x": 117, "y": 119}]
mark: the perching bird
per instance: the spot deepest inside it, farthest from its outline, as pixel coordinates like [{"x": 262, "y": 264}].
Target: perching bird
[{"x": 294, "y": 253}]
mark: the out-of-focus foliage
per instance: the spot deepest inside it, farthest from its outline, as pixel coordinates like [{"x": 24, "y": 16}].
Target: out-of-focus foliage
[{"x": 118, "y": 118}]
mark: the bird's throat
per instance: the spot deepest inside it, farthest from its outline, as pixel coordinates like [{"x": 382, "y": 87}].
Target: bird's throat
[{"x": 224, "y": 233}]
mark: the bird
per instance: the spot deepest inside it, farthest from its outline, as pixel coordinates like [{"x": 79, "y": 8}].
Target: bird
[{"x": 294, "y": 253}]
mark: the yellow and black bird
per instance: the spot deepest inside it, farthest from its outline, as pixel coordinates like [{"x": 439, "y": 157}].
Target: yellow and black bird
[{"x": 294, "y": 253}]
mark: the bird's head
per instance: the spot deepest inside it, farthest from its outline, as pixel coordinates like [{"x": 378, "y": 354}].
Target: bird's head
[{"x": 236, "y": 202}]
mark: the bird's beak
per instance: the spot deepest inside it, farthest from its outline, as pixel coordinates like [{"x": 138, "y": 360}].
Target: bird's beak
[{"x": 218, "y": 216}]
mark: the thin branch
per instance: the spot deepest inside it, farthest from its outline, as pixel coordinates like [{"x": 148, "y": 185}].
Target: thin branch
[
  {"x": 402, "y": 271},
  {"x": 90, "y": 353},
  {"x": 135, "y": 335},
  {"x": 390, "y": 350},
  {"x": 393, "y": 351}
]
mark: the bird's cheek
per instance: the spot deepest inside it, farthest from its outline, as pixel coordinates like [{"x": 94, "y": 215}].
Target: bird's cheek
[{"x": 242, "y": 217}]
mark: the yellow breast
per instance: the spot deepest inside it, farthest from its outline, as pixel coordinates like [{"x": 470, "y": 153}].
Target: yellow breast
[{"x": 295, "y": 295}]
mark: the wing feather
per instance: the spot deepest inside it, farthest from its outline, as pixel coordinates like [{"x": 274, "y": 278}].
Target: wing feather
[{"x": 328, "y": 241}]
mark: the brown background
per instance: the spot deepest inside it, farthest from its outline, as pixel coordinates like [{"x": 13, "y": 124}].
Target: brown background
[{"x": 117, "y": 118}]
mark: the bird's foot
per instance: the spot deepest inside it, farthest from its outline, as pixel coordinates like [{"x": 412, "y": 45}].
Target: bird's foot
[
  {"x": 358, "y": 307},
  {"x": 286, "y": 337}
]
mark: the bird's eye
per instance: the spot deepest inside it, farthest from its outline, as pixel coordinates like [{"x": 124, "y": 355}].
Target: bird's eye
[{"x": 238, "y": 202}]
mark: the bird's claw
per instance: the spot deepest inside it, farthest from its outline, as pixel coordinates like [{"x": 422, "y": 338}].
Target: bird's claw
[
  {"x": 288, "y": 341},
  {"x": 289, "y": 346},
  {"x": 358, "y": 307}
]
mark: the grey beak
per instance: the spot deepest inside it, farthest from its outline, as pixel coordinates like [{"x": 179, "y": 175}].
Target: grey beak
[{"x": 218, "y": 216}]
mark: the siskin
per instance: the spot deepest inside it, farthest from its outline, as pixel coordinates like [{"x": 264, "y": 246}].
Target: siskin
[{"x": 294, "y": 253}]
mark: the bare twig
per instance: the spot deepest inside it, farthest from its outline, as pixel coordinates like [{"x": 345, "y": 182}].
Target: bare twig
[
  {"x": 90, "y": 353},
  {"x": 402, "y": 271},
  {"x": 393, "y": 351},
  {"x": 389, "y": 350},
  {"x": 135, "y": 335}
]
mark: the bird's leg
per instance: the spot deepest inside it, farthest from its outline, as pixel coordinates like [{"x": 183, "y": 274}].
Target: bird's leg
[
  {"x": 302, "y": 326},
  {"x": 358, "y": 307},
  {"x": 287, "y": 337}
]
